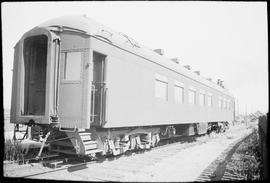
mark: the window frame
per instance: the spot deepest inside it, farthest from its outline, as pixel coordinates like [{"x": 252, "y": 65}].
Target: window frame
[
  {"x": 202, "y": 93},
  {"x": 162, "y": 79},
  {"x": 209, "y": 96},
  {"x": 180, "y": 85},
  {"x": 64, "y": 64},
  {"x": 219, "y": 102},
  {"x": 193, "y": 90},
  {"x": 223, "y": 103}
]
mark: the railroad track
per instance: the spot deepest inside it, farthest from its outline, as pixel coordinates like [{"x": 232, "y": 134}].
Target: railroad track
[{"x": 218, "y": 169}]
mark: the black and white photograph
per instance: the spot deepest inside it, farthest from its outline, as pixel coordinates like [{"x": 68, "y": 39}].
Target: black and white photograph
[{"x": 135, "y": 91}]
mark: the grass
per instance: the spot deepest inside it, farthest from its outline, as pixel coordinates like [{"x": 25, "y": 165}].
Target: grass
[
  {"x": 13, "y": 151},
  {"x": 246, "y": 160}
]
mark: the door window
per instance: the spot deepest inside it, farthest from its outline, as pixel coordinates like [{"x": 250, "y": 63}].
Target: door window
[{"x": 72, "y": 66}]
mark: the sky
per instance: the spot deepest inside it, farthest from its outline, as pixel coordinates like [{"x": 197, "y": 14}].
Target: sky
[{"x": 226, "y": 40}]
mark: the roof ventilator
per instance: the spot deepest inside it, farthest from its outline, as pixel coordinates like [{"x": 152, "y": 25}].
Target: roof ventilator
[
  {"x": 197, "y": 72},
  {"x": 159, "y": 51},
  {"x": 187, "y": 67},
  {"x": 220, "y": 83},
  {"x": 209, "y": 79},
  {"x": 175, "y": 60}
]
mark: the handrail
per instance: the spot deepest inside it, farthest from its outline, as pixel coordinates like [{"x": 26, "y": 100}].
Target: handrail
[
  {"x": 56, "y": 74},
  {"x": 103, "y": 101},
  {"x": 102, "y": 94},
  {"x": 105, "y": 105},
  {"x": 57, "y": 81},
  {"x": 92, "y": 115}
]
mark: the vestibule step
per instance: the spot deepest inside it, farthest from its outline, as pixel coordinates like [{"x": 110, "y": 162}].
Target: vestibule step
[{"x": 93, "y": 151}]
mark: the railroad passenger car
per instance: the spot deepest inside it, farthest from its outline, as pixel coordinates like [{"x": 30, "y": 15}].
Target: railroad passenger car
[{"x": 85, "y": 89}]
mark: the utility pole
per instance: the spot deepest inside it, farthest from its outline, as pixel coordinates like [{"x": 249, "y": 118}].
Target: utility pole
[{"x": 237, "y": 108}]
